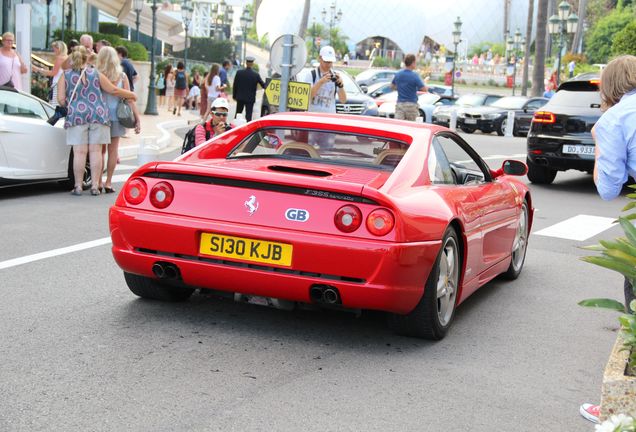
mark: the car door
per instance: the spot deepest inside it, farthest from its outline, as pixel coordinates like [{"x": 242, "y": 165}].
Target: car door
[
  {"x": 496, "y": 204},
  {"x": 33, "y": 149},
  {"x": 524, "y": 117}
]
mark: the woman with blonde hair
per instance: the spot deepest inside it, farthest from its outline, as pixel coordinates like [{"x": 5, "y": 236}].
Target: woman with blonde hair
[
  {"x": 59, "y": 49},
  {"x": 108, "y": 64},
  {"x": 11, "y": 64},
  {"x": 87, "y": 120}
]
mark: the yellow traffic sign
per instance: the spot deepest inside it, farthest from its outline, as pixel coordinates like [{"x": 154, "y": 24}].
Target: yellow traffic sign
[{"x": 297, "y": 94}]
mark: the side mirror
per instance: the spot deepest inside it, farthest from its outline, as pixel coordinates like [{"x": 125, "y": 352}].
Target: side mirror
[
  {"x": 514, "y": 167},
  {"x": 364, "y": 89},
  {"x": 525, "y": 110}
]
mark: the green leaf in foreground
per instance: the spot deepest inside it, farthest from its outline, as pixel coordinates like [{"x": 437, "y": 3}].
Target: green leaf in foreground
[{"x": 603, "y": 303}]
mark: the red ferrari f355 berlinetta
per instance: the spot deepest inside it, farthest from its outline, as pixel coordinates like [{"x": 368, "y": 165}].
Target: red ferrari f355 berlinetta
[{"x": 331, "y": 210}]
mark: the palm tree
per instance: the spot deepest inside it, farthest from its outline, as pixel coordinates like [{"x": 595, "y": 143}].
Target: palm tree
[
  {"x": 538, "y": 72},
  {"x": 576, "y": 43},
  {"x": 526, "y": 55},
  {"x": 305, "y": 19}
]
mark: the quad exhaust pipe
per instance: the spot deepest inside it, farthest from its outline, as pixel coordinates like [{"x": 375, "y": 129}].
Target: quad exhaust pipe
[
  {"x": 166, "y": 271},
  {"x": 325, "y": 294}
]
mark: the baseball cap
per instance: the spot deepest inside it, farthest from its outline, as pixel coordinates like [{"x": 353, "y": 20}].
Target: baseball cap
[
  {"x": 328, "y": 54},
  {"x": 221, "y": 103}
]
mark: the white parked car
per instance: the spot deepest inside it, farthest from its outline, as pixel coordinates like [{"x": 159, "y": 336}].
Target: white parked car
[
  {"x": 31, "y": 150},
  {"x": 426, "y": 103}
]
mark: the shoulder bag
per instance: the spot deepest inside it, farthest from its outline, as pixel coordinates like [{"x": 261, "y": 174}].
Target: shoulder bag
[
  {"x": 125, "y": 114},
  {"x": 62, "y": 111}
]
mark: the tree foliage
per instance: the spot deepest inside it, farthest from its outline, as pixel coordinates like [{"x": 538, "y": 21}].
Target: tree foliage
[
  {"x": 625, "y": 40},
  {"x": 599, "y": 39}
]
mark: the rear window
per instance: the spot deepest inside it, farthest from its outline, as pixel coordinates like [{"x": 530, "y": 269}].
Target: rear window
[
  {"x": 580, "y": 94},
  {"x": 323, "y": 146}
]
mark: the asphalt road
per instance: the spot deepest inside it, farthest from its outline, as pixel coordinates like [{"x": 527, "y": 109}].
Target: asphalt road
[{"x": 80, "y": 352}]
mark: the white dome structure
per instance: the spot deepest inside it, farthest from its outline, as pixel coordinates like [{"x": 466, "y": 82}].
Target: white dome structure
[{"x": 405, "y": 22}]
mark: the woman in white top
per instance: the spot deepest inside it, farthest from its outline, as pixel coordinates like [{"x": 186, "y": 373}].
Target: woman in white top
[
  {"x": 170, "y": 83},
  {"x": 213, "y": 86},
  {"x": 59, "y": 49},
  {"x": 11, "y": 64}
]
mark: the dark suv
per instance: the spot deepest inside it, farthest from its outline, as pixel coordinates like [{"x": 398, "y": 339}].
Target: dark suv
[{"x": 560, "y": 136}]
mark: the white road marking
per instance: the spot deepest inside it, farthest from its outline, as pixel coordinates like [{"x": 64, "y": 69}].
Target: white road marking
[
  {"x": 515, "y": 156},
  {"x": 53, "y": 253},
  {"x": 580, "y": 227},
  {"x": 120, "y": 178}
]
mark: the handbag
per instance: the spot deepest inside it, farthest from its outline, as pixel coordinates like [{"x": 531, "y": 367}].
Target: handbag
[
  {"x": 125, "y": 115},
  {"x": 62, "y": 111}
]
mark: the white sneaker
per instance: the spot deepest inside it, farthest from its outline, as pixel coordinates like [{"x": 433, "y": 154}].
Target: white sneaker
[{"x": 590, "y": 412}]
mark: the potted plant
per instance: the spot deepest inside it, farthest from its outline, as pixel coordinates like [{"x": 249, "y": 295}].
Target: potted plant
[{"x": 619, "y": 380}]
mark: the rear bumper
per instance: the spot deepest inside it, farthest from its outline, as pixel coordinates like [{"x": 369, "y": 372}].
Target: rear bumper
[
  {"x": 368, "y": 274},
  {"x": 547, "y": 151}
]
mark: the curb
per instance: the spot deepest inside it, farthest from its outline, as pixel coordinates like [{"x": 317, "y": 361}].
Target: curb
[{"x": 130, "y": 151}]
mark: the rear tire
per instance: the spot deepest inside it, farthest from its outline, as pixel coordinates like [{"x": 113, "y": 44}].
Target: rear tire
[
  {"x": 540, "y": 174},
  {"x": 501, "y": 130},
  {"x": 433, "y": 315},
  {"x": 519, "y": 245},
  {"x": 149, "y": 288},
  {"x": 86, "y": 181}
]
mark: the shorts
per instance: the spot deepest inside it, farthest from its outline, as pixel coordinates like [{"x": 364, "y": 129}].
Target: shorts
[
  {"x": 92, "y": 133},
  {"x": 180, "y": 92},
  {"x": 406, "y": 111},
  {"x": 116, "y": 129},
  {"x": 162, "y": 92}
]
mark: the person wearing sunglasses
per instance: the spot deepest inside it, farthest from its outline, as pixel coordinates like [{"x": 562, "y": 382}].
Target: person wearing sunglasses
[{"x": 217, "y": 123}]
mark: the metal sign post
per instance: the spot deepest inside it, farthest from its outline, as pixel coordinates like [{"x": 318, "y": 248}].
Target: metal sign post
[
  {"x": 287, "y": 56},
  {"x": 286, "y": 65}
]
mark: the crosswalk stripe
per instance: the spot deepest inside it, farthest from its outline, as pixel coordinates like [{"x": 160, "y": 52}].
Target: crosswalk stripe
[{"x": 580, "y": 227}]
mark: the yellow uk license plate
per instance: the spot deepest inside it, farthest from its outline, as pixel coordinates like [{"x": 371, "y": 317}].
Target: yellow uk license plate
[{"x": 246, "y": 249}]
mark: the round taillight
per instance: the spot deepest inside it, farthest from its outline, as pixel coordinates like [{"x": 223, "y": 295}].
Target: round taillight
[
  {"x": 136, "y": 191},
  {"x": 380, "y": 222},
  {"x": 161, "y": 195},
  {"x": 348, "y": 218}
]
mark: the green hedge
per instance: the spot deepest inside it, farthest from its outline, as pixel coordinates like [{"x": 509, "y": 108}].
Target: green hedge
[
  {"x": 114, "y": 29},
  {"x": 136, "y": 51},
  {"x": 208, "y": 50}
]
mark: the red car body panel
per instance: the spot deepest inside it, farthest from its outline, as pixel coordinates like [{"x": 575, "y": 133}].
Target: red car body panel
[{"x": 384, "y": 273}]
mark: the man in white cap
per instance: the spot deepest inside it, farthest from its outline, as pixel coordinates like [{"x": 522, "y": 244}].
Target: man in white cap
[
  {"x": 244, "y": 88},
  {"x": 326, "y": 85},
  {"x": 217, "y": 123}
]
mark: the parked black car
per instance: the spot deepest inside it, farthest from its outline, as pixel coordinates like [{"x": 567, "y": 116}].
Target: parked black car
[
  {"x": 494, "y": 117},
  {"x": 357, "y": 102},
  {"x": 378, "y": 89},
  {"x": 560, "y": 136},
  {"x": 441, "y": 114}
]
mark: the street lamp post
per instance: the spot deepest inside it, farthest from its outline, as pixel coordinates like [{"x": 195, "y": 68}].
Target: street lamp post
[
  {"x": 138, "y": 5},
  {"x": 457, "y": 38},
  {"x": 512, "y": 46},
  {"x": 334, "y": 18},
  {"x": 246, "y": 21},
  {"x": 151, "y": 106},
  {"x": 561, "y": 25},
  {"x": 186, "y": 14}
]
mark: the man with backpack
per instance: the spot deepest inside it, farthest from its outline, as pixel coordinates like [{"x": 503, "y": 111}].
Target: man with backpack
[
  {"x": 325, "y": 84},
  {"x": 215, "y": 126}
]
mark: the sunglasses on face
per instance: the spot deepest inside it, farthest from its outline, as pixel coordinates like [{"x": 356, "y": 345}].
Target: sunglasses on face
[{"x": 219, "y": 113}]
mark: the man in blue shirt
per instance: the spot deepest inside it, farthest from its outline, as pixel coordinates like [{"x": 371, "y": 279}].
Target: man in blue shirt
[
  {"x": 407, "y": 83},
  {"x": 223, "y": 71}
]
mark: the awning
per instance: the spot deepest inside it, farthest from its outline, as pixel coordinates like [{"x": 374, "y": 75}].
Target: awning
[
  {"x": 116, "y": 8},
  {"x": 169, "y": 29}
]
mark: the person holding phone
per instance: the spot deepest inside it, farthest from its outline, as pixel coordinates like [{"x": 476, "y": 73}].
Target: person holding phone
[
  {"x": 11, "y": 64},
  {"x": 216, "y": 125}
]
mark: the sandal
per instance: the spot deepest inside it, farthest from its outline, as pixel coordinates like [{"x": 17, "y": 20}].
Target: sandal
[
  {"x": 95, "y": 192},
  {"x": 108, "y": 190},
  {"x": 77, "y": 191}
]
